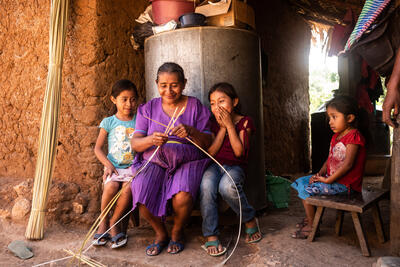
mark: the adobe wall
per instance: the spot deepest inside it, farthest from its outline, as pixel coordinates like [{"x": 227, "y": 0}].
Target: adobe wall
[
  {"x": 285, "y": 39},
  {"x": 98, "y": 52}
]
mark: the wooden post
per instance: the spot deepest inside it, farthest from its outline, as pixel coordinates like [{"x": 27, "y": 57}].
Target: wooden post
[
  {"x": 349, "y": 69},
  {"x": 395, "y": 194}
]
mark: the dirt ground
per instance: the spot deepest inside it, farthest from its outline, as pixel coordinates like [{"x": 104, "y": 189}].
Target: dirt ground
[{"x": 277, "y": 248}]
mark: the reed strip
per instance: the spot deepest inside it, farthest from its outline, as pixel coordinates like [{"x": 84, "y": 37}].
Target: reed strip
[{"x": 85, "y": 259}]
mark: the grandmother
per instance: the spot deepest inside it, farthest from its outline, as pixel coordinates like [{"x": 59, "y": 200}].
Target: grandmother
[{"x": 170, "y": 181}]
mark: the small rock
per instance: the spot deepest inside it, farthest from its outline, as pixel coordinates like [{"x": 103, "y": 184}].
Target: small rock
[
  {"x": 5, "y": 214},
  {"x": 22, "y": 189},
  {"x": 20, "y": 249},
  {"x": 20, "y": 209},
  {"x": 78, "y": 208}
]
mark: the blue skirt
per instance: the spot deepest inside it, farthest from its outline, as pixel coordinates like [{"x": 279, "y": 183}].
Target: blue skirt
[{"x": 305, "y": 189}]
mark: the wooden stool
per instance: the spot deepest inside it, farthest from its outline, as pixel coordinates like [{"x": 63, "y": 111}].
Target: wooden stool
[{"x": 356, "y": 204}]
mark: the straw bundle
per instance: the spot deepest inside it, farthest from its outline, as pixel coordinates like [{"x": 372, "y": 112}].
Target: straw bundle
[{"x": 49, "y": 120}]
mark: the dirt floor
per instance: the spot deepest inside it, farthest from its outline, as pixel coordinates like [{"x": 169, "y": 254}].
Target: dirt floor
[{"x": 276, "y": 249}]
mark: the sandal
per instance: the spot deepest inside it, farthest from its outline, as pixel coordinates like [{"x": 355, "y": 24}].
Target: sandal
[
  {"x": 119, "y": 240},
  {"x": 160, "y": 246},
  {"x": 301, "y": 224},
  {"x": 101, "y": 239},
  {"x": 304, "y": 222},
  {"x": 301, "y": 234},
  {"x": 216, "y": 244},
  {"x": 176, "y": 243}
]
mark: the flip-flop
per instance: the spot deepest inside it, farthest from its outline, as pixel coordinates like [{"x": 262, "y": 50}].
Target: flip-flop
[
  {"x": 176, "y": 243},
  {"x": 251, "y": 232},
  {"x": 119, "y": 240},
  {"x": 214, "y": 243},
  {"x": 101, "y": 239},
  {"x": 160, "y": 246}
]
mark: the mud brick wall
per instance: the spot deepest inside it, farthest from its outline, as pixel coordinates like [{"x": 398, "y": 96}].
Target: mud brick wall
[
  {"x": 98, "y": 52},
  {"x": 285, "y": 39}
]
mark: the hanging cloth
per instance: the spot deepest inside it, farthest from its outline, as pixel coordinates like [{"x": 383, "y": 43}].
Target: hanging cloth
[
  {"x": 341, "y": 33},
  {"x": 371, "y": 10}
]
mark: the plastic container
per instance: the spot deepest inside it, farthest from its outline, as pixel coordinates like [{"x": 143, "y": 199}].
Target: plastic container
[
  {"x": 278, "y": 190},
  {"x": 166, "y": 10},
  {"x": 192, "y": 20}
]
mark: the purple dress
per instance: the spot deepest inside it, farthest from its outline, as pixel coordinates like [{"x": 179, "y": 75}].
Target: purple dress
[{"x": 177, "y": 166}]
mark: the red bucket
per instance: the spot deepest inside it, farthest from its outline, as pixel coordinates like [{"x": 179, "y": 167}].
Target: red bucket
[{"x": 166, "y": 10}]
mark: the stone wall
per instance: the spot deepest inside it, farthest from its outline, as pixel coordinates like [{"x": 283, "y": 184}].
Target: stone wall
[
  {"x": 285, "y": 38},
  {"x": 98, "y": 52}
]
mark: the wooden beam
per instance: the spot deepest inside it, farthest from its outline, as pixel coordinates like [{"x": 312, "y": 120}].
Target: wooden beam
[
  {"x": 395, "y": 194},
  {"x": 323, "y": 21},
  {"x": 346, "y": 4},
  {"x": 318, "y": 11}
]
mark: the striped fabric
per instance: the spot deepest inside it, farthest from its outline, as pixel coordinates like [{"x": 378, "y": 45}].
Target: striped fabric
[{"x": 370, "y": 11}]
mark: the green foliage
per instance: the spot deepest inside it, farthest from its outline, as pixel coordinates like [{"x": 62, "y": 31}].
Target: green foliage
[{"x": 322, "y": 82}]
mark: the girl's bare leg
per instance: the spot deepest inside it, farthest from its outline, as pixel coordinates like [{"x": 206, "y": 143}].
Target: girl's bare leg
[
  {"x": 182, "y": 203},
  {"x": 120, "y": 208},
  {"x": 158, "y": 227},
  {"x": 109, "y": 191},
  {"x": 310, "y": 213},
  {"x": 125, "y": 222}
]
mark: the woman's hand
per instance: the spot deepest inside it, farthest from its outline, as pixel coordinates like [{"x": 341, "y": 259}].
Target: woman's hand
[
  {"x": 182, "y": 131},
  {"x": 392, "y": 102},
  {"x": 392, "y": 99},
  {"x": 158, "y": 139},
  {"x": 108, "y": 171},
  {"x": 225, "y": 117}
]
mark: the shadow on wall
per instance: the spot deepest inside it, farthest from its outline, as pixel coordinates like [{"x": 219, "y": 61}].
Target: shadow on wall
[{"x": 285, "y": 38}]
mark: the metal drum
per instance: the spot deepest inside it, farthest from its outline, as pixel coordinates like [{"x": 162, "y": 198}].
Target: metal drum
[{"x": 210, "y": 55}]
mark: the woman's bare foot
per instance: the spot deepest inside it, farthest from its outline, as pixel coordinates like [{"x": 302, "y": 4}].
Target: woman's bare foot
[
  {"x": 161, "y": 240},
  {"x": 176, "y": 245}
]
